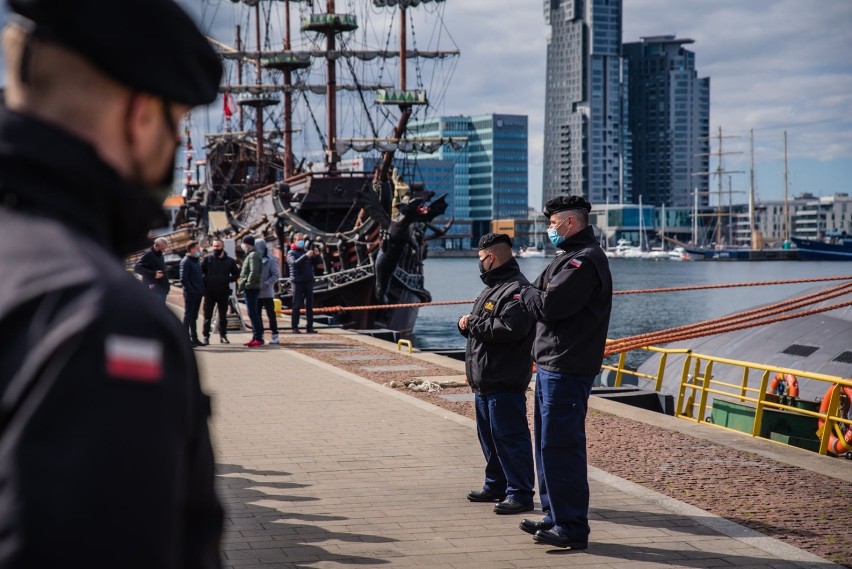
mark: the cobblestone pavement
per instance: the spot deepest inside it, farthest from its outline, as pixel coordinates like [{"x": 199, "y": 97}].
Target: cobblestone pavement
[
  {"x": 319, "y": 468},
  {"x": 805, "y": 509}
]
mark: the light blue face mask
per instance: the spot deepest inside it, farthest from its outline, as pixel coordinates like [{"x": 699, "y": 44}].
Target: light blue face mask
[
  {"x": 300, "y": 244},
  {"x": 553, "y": 234},
  {"x": 196, "y": 254}
]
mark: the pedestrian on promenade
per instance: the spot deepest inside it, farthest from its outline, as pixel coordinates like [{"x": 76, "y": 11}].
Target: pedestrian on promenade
[
  {"x": 105, "y": 456},
  {"x": 300, "y": 261},
  {"x": 498, "y": 366},
  {"x": 571, "y": 303},
  {"x": 192, "y": 281},
  {"x": 152, "y": 268},
  {"x": 219, "y": 272},
  {"x": 249, "y": 284},
  {"x": 270, "y": 273}
]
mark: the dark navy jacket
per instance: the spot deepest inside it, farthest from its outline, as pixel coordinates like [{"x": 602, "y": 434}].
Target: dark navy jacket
[
  {"x": 499, "y": 334},
  {"x": 571, "y": 302},
  {"x": 105, "y": 457},
  {"x": 301, "y": 266},
  {"x": 191, "y": 277}
]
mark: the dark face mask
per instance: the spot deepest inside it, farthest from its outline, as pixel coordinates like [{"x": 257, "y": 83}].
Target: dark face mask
[
  {"x": 218, "y": 252},
  {"x": 482, "y": 268}
]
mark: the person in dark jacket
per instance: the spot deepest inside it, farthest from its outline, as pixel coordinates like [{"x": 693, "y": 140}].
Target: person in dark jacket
[
  {"x": 300, "y": 261},
  {"x": 498, "y": 365},
  {"x": 192, "y": 281},
  {"x": 571, "y": 302},
  {"x": 219, "y": 272},
  {"x": 105, "y": 455},
  {"x": 152, "y": 268}
]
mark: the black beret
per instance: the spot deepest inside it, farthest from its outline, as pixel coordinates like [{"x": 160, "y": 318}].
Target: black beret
[
  {"x": 248, "y": 239},
  {"x": 490, "y": 239},
  {"x": 148, "y": 45},
  {"x": 564, "y": 203}
]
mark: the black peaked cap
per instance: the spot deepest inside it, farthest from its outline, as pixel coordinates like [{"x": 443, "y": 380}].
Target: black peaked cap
[
  {"x": 490, "y": 239},
  {"x": 148, "y": 45},
  {"x": 565, "y": 203}
]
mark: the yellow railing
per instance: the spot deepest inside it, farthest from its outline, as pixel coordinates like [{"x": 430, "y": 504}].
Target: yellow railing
[{"x": 697, "y": 383}]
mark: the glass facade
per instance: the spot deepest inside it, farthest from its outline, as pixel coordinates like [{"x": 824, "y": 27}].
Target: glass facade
[
  {"x": 669, "y": 121},
  {"x": 584, "y": 133},
  {"x": 491, "y": 172}
]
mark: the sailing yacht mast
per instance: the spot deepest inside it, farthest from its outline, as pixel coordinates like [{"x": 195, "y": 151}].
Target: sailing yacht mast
[
  {"x": 786, "y": 204},
  {"x": 751, "y": 227}
]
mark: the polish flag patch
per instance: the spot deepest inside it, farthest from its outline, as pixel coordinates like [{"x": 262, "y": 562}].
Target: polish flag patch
[
  {"x": 134, "y": 359},
  {"x": 576, "y": 263}
]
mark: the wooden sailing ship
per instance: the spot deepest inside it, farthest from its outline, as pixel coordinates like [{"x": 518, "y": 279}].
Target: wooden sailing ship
[{"x": 370, "y": 229}]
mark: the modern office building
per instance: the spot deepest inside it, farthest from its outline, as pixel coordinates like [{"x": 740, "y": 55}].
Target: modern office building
[
  {"x": 584, "y": 132},
  {"x": 491, "y": 173},
  {"x": 669, "y": 122}
]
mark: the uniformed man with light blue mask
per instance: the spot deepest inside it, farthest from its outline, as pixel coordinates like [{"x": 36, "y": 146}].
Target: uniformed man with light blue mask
[{"x": 571, "y": 303}]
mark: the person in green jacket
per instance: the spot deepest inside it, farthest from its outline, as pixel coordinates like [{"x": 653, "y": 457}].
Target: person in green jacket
[{"x": 249, "y": 284}]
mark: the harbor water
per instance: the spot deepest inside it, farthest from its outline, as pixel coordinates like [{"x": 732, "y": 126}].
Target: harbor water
[{"x": 458, "y": 279}]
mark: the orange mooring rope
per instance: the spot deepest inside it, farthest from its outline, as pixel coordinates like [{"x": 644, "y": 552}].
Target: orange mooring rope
[{"x": 332, "y": 309}]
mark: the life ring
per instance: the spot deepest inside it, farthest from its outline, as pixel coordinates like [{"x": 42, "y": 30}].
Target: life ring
[
  {"x": 790, "y": 385},
  {"x": 836, "y": 445}
]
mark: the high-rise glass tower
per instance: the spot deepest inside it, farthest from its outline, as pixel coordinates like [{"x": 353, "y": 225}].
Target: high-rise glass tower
[
  {"x": 584, "y": 132},
  {"x": 491, "y": 174},
  {"x": 670, "y": 122}
]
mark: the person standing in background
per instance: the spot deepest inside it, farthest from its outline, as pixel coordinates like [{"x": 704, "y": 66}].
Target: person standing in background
[
  {"x": 249, "y": 284},
  {"x": 192, "y": 281},
  {"x": 219, "y": 272},
  {"x": 301, "y": 264},
  {"x": 269, "y": 278},
  {"x": 152, "y": 268}
]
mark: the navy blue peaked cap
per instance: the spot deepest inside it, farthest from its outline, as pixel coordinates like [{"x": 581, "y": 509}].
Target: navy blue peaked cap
[
  {"x": 565, "y": 203},
  {"x": 151, "y": 46}
]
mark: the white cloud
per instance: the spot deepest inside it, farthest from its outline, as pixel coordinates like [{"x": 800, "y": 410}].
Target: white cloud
[{"x": 774, "y": 65}]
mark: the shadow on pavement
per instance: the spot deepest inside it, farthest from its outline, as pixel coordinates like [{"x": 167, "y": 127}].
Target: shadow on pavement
[{"x": 261, "y": 527}]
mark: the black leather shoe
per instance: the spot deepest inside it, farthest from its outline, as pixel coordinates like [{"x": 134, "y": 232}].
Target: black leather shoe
[
  {"x": 196, "y": 344},
  {"x": 509, "y": 506},
  {"x": 295, "y": 331},
  {"x": 553, "y": 537},
  {"x": 224, "y": 339},
  {"x": 531, "y": 527},
  {"x": 483, "y": 496},
  {"x": 310, "y": 331}
]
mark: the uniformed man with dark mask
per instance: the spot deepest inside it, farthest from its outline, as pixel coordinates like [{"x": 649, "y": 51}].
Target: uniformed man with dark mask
[
  {"x": 105, "y": 456},
  {"x": 571, "y": 302},
  {"x": 498, "y": 365}
]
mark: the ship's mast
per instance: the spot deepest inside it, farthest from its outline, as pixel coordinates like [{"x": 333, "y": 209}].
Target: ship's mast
[
  {"x": 751, "y": 227},
  {"x": 258, "y": 117},
  {"x": 786, "y": 203},
  {"x": 288, "y": 100},
  {"x": 331, "y": 94}
]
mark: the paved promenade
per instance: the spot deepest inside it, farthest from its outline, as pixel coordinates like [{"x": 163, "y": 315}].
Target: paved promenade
[{"x": 319, "y": 467}]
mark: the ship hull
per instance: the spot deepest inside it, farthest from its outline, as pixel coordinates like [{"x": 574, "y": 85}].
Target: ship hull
[{"x": 810, "y": 249}]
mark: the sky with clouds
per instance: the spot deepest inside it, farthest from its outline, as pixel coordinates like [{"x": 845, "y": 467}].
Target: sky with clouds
[{"x": 774, "y": 65}]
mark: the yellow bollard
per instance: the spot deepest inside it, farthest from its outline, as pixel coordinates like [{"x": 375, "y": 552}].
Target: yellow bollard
[
  {"x": 276, "y": 302},
  {"x": 402, "y": 343}
]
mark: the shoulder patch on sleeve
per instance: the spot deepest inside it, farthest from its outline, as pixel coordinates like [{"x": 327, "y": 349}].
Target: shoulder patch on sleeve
[
  {"x": 130, "y": 358},
  {"x": 576, "y": 263}
]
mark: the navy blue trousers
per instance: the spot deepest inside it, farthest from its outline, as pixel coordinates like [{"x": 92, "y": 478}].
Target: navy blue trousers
[
  {"x": 504, "y": 434},
  {"x": 561, "y": 403},
  {"x": 191, "y": 304},
  {"x": 253, "y": 309},
  {"x": 303, "y": 292}
]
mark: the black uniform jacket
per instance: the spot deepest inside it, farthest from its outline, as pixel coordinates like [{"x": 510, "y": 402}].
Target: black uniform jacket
[
  {"x": 499, "y": 334},
  {"x": 571, "y": 302},
  {"x": 219, "y": 273},
  {"x": 105, "y": 457},
  {"x": 148, "y": 265}
]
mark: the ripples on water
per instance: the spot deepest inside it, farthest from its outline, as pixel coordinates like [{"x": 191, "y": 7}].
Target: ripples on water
[{"x": 458, "y": 279}]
